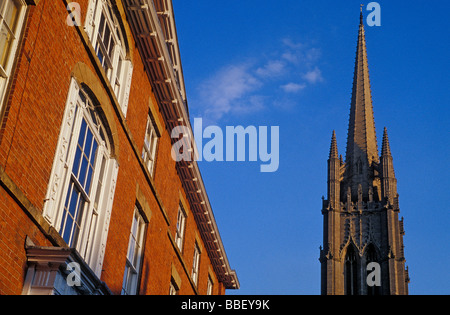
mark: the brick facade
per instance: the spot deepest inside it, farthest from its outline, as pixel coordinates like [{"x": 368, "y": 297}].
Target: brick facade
[{"x": 50, "y": 54}]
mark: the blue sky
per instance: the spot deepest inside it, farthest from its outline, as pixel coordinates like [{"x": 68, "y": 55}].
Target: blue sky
[{"x": 290, "y": 64}]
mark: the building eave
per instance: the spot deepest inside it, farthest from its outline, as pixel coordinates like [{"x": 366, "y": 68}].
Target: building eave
[{"x": 169, "y": 91}]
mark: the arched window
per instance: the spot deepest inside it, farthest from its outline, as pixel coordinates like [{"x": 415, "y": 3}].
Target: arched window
[
  {"x": 371, "y": 256},
  {"x": 351, "y": 272},
  {"x": 82, "y": 184},
  {"x": 103, "y": 26}
]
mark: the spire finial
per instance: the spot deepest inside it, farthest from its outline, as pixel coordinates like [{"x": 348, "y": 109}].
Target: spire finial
[
  {"x": 385, "y": 147},
  {"x": 361, "y": 17},
  {"x": 333, "y": 147}
]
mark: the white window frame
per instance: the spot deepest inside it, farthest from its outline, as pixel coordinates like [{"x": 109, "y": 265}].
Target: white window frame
[
  {"x": 173, "y": 289},
  {"x": 181, "y": 227},
  {"x": 135, "y": 251},
  {"x": 196, "y": 264},
  {"x": 5, "y": 72},
  {"x": 150, "y": 146},
  {"x": 120, "y": 70},
  {"x": 94, "y": 222},
  {"x": 210, "y": 286}
]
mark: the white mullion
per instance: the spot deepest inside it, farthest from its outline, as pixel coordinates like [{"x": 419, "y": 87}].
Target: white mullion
[
  {"x": 8, "y": 28},
  {"x": 86, "y": 225},
  {"x": 89, "y": 230}
]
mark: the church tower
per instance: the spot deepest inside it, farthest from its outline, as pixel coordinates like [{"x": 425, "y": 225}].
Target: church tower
[{"x": 362, "y": 251}]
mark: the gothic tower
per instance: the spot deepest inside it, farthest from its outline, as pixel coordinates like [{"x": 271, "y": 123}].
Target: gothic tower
[{"x": 361, "y": 213}]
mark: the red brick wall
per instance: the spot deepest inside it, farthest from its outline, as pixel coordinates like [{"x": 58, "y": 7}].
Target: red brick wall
[{"x": 29, "y": 136}]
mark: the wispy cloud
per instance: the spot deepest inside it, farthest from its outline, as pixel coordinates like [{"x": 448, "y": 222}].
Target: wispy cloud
[
  {"x": 225, "y": 90},
  {"x": 313, "y": 76},
  {"x": 246, "y": 88},
  {"x": 293, "y": 87},
  {"x": 271, "y": 68}
]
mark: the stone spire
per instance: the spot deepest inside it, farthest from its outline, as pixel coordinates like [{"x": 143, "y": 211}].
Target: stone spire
[
  {"x": 362, "y": 148},
  {"x": 388, "y": 180},
  {"x": 385, "y": 147},
  {"x": 333, "y": 147},
  {"x": 361, "y": 214},
  {"x": 334, "y": 171},
  {"x": 361, "y": 140}
]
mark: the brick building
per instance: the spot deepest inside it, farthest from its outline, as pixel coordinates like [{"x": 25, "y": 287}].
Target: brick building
[{"x": 91, "y": 200}]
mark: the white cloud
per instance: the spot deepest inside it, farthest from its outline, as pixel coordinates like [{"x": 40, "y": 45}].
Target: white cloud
[
  {"x": 247, "y": 88},
  {"x": 221, "y": 92},
  {"x": 293, "y": 87},
  {"x": 272, "y": 68},
  {"x": 291, "y": 44},
  {"x": 313, "y": 76},
  {"x": 290, "y": 57}
]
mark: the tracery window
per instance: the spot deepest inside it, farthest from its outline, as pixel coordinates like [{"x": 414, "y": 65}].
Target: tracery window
[
  {"x": 371, "y": 256},
  {"x": 351, "y": 272}
]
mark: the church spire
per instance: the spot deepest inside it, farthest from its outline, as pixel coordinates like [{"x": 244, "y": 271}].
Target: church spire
[
  {"x": 333, "y": 147},
  {"x": 360, "y": 216},
  {"x": 361, "y": 140}
]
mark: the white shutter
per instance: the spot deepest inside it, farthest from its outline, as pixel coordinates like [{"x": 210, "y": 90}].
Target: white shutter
[
  {"x": 105, "y": 217},
  {"x": 59, "y": 168},
  {"x": 90, "y": 19},
  {"x": 126, "y": 87}
]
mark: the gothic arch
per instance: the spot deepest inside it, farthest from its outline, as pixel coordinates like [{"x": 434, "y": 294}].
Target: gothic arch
[
  {"x": 372, "y": 248},
  {"x": 372, "y": 255},
  {"x": 351, "y": 270}
]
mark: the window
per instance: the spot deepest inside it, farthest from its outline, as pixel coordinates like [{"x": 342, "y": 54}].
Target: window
[
  {"x": 371, "y": 256},
  {"x": 196, "y": 264},
  {"x": 210, "y": 286},
  {"x": 12, "y": 14},
  {"x": 173, "y": 290},
  {"x": 150, "y": 144},
  {"x": 351, "y": 272},
  {"x": 181, "y": 224},
  {"x": 134, "y": 255},
  {"x": 81, "y": 189},
  {"x": 103, "y": 28}
]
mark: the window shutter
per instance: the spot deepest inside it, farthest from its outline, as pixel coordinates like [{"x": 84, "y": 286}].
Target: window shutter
[
  {"x": 125, "y": 93},
  {"x": 60, "y": 163},
  {"x": 106, "y": 214},
  {"x": 90, "y": 19}
]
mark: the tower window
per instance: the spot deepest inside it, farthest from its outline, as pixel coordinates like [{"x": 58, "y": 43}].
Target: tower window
[
  {"x": 371, "y": 256},
  {"x": 351, "y": 272}
]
